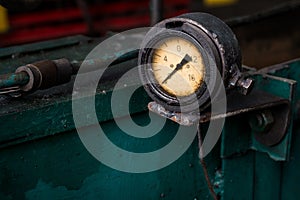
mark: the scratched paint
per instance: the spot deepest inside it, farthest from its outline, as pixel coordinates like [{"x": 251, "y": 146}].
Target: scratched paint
[{"x": 13, "y": 79}]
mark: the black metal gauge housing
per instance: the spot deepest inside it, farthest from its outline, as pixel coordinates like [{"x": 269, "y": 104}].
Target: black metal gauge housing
[{"x": 179, "y": 57}]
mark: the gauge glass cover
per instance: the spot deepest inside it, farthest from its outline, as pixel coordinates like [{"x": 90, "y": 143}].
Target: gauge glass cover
[{"x": 178, "y": 66}]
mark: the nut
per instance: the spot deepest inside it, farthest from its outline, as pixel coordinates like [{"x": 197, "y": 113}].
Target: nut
[
  {"x": 261, "y": 122},
  {"x": 245, "y": 85}
]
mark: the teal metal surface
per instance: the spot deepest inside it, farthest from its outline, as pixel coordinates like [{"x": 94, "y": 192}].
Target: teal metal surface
[
  {"x": 290, "y": 175},
  {"x": 278, "y": 87},
  {"x": 42, "y": 157},
  {"x": 11, "y": 80},
  {"x": 267, "y": 172},
  {"x": 284, "y": 88}
]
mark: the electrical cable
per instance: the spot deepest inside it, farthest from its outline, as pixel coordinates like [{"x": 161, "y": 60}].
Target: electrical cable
[{"x": 204, "y": 166}]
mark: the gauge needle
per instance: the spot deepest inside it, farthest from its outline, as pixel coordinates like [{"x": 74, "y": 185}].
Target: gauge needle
[{"x": 179, "y": 66}]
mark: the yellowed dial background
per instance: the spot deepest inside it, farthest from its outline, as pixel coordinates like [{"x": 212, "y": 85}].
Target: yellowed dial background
[{"x": 167, "y": 54}]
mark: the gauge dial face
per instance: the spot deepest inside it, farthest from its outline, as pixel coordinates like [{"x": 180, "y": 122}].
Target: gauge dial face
[{"x": 178, "y": 66}]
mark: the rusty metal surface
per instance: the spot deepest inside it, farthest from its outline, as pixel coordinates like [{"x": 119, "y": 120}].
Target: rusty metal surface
[
  {"x": 239, "y": 104},
  {"x": 10, "y": 80}
]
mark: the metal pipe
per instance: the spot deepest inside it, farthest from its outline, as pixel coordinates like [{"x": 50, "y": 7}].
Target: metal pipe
[
  {"x": 22, "y": 78},
  {"x": 13, "y": 79},
  {"x": 156, "y": 9}
]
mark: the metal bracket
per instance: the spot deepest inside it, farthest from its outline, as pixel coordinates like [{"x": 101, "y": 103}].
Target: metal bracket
[
  {"x": 273, "y": 139},
  {"x": 271, "y": 95}
]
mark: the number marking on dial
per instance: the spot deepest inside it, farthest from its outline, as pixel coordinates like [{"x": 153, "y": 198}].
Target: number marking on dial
[{"x": 185, "y": 79}]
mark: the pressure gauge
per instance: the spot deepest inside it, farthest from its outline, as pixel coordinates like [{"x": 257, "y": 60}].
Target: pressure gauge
[{"x": 180, "y": 56}]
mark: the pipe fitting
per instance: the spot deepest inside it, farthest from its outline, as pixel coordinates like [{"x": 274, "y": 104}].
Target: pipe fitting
[{"x": 46, "y": 74}]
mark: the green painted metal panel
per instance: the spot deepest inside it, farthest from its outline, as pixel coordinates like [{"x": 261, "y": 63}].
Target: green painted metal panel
[
  {"x": 267, "y": 177},
  {"x": 42, "y": 157},
  {"x": 59, "y": 167},
  {"x": 290, "y": 169},
  {"x": 237, "y": 160},
  {"x": 256, "y": 175}
]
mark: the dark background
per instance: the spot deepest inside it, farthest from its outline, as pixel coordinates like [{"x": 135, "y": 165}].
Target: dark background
[{"x": 268, "y": 30}]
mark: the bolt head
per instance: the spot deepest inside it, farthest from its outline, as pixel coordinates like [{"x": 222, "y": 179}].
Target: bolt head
[
  {"x": 245, "y": 85},
  {"x": 261, "y": 122}
]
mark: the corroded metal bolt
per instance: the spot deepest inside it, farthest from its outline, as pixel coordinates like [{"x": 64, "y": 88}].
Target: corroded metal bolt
[
  {"x": 245, "y": 85},
  {"x": 261, "y": 122}
]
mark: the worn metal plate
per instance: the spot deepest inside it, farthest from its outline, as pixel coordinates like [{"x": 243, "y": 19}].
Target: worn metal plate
[
  {"x": 42, "y": 157},
  {"x": 259, "y": 174}
]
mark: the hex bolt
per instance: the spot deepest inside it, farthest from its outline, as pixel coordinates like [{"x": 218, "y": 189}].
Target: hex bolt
[
  {"x": 245, "y": 85},
  {"x": 261, "y": 122}
]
